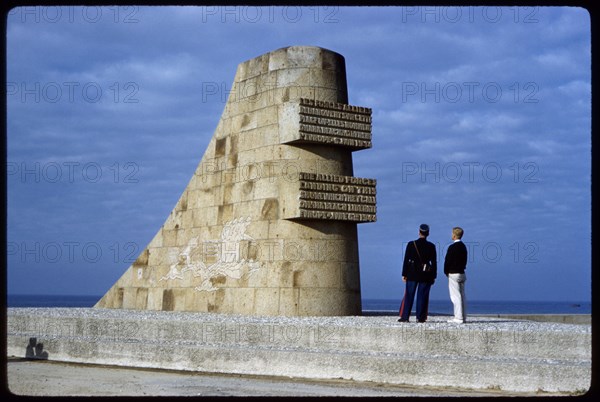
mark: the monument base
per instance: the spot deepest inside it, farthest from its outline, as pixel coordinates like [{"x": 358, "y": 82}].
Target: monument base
[{"x": 487, "y": 353}]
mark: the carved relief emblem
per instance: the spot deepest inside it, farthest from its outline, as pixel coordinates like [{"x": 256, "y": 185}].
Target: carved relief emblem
[{"x": 215, "y": 258}]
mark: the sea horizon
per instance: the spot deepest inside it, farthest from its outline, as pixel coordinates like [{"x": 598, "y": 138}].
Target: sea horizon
[{"x": 369, "y": 305}]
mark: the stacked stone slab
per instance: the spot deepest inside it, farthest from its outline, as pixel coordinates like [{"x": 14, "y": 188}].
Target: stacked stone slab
[{"x": 267, "y": 224}]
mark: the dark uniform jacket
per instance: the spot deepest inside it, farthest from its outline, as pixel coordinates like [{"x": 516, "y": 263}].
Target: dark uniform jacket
[
  {"x": 456, "y": 259},
  {"x": 412, "y": 268}
]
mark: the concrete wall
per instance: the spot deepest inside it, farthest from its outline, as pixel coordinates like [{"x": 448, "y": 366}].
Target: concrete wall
[{"x": 485, "y": 354}]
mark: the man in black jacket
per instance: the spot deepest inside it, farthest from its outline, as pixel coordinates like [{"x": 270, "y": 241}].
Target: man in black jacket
[
  {"x": 419, "y": 271},
  {"x": 454, "y": 268}
]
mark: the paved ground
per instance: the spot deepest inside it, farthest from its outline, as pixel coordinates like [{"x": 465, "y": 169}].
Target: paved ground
[{"x": 47, "y": 378}]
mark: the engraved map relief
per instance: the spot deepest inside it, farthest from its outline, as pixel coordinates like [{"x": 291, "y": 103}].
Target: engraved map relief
[{"x": 226, "y": 254}]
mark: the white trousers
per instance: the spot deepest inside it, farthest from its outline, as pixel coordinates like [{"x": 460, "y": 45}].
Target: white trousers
[{"x": 456, "y": 285}]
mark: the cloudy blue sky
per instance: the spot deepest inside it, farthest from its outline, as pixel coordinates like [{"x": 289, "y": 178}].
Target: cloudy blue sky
[{"x": 481, "y": 118}]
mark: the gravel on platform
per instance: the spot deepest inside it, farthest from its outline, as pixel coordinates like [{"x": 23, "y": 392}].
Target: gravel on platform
[{"x": 434, "y": 322}]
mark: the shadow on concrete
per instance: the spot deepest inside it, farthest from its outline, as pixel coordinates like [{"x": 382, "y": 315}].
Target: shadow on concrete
[{"x": 35, "y": 350}]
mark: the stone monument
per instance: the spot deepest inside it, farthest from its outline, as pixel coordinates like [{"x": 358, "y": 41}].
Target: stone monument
[{"x": 267, "y": 223}]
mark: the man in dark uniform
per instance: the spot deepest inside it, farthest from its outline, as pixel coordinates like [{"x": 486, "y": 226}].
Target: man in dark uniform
[
  {"x": 454, "y": 268},
  {"x": 419, "y": 271}
]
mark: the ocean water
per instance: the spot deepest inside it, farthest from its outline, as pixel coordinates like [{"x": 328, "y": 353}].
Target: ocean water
[
  {"x": 485, "y": 307},
  {"x": 380, "y": 306},
  {"x": 51, "y": 301}
]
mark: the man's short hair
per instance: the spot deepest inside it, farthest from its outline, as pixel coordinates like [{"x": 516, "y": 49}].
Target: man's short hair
[{"x": 458, "y": 232}]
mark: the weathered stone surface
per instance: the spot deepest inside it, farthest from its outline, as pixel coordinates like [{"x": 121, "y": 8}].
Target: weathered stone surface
[
  {"x": 255, "y": 231},
  {"x": 486, "y": 353}
]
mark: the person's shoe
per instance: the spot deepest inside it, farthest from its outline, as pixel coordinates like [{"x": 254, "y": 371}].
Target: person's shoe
[
  {"x": 421, "y": 321},
  {"x": 402, "y": 320},
  {"x": 456, "y": 321}
]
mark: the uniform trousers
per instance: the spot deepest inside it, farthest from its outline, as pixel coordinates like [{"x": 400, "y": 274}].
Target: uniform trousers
[
  {"x": 456, "y": 285},
  {"x": 422, "y": 291}
]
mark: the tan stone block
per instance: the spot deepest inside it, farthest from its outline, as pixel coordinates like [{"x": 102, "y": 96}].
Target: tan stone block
[
  {"x": 204, "y": 197},
  {"x": 141, "y": 300},
  {"x": 218, "y": 194},
  {"x": 173, "y": 299},
  {"x": 129, "y": 298},
  {"x": 225, "y": 213},
  {"x": 266, "y": 301},
  {"x": 209, "y": 174},
  {"x": 325, "y": 78},
  {"x": 173, "y": 220},
  {"x": 156, "y": 240},
  {"x": 258, "y": 278},
  {"x": 251, "y": 95},
  {"x": 154, "y": 298},
  {"x": 227, "y": 193},
  {"x": 229, "y": 176},
  {"x": 328, "y": 230},
  {"x": 288, "y": 94},
  {"x": 265, "y": 186},
  {"x": 267, "y": 81},
  {"x": 267, "y": 116},
  {"x": 169, "y": 237},
  {"x": 350, "y": 276},
  {"x": 290, "y": 113},
  {"x": 246, "y": 89},
  {"x": 241, "y": 106},
  {"x": 168, "y": 300},
  {"x": 316, "y": 275},
  {"x": 213, "y": 232},
  {"x": 264, "y": 98},
  {"x": 197, "y": 301},
  {"x": 187, "y": 220},
  {"x": 108, "y": 300},
  {"x": 325, "y": 94},
  {"x": 223, "y": 302},
  {"x": 333, "y": 61},
  {"x": 320, "y": 301},
  {"x": 193, "y": 198},
  {"x": 281, "y": 168},
  {"x": 278, "y": 60},
  {"x": 294, "y": 77},
  {"x": 247, "y": 158},
  {"x": 240, "y": 72},
  {"x": 162, "y": 256},
  {"x": 226, "y": 124},
  {"x": 202, "y": 217},
  {"x": 243, "y": 210},
  {"x": 280, "y": 274},
  {"x": 183, "y": 237},
  {"x": 118, "y": 297},
  {"x": 268, "y": 251},
  {"x": 303, "y": 56},
  {"x": 257, "y": 159},
  {"x": 330, "y": 250},
  {"x": 245, "y": 122},
  {"x": 246, "y": 191},
  {"x": 352, "y": 252},
  {"x": 244, "y": 300},
  {"x": 289, "y": 302},
  {"x": 256, "y": 66},
  {"x": 136, "y": 276},
  {"x": 182, "y": 203}
]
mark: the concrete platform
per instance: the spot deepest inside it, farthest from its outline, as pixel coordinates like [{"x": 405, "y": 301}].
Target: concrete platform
[
  {"x": 484, "y": 354},
  {"x": 51, "y": 378}
]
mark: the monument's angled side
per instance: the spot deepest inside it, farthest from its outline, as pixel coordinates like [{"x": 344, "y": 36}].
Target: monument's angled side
[{"x": 267, "y": 224}]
